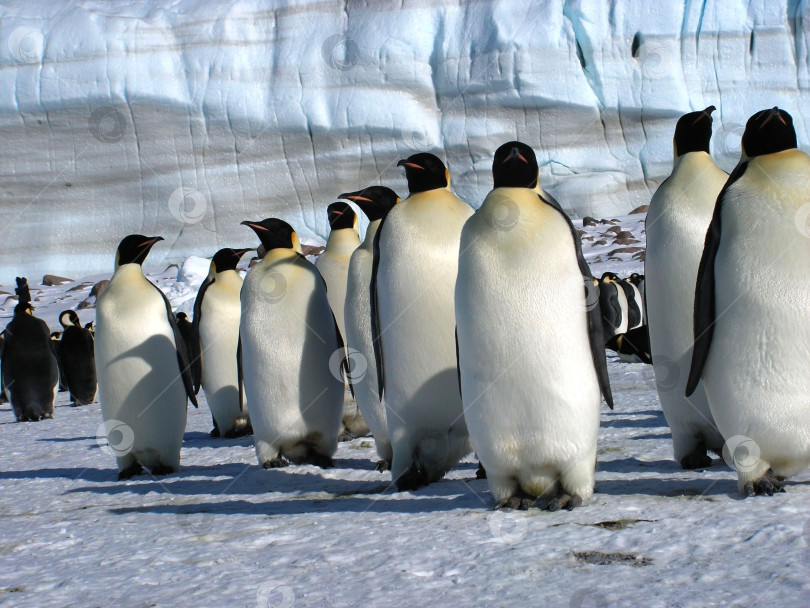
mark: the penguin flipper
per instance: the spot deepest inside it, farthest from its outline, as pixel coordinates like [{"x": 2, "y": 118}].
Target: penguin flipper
[
  {"x": 180, "y": 346},
  {"x": 376, "y": 332},
  {"x": 704, "y": 312},
  {"x": 612, "y": 311},
  {"x": 196, "y": 348},
  {"x": 594, "y": 313},
  {"x": 344, "y": 363},
  {"x": 239, "y": 373},
  {"x": 458, "y": 367}
]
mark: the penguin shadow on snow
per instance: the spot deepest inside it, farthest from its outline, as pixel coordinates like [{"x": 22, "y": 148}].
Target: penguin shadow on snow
[
  {"x": 74, "y": 474},
  {"x": 645, "y": 418}
]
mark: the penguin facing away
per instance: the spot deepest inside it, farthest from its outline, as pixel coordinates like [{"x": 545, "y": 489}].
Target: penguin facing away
[
  {"x": 679, "y": 214},
  {"x": 29, "y": 368},
  {"x": 214, "y": 343},
  {"x": 184, "y": 326},
  {"x": 144, "y": 378},
  {"x": 413, "y": 322},
  {"x": 77, "y": 351},
  {"x": 751, "y": 302},
  {"x": 289, "y": 342},
  {"x": 613, "y": 307},
  {"x": 531, "y": 351},
  {"x": 333, "y": 264},
  {"x": 375, "y": 202}
]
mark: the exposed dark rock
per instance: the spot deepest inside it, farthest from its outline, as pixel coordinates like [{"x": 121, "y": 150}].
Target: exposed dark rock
[
  {"x": 642, "y": 209},
  {"x": 98, "y": 288},
  {"x": 51, "y": 279},
  {"x": 588, "y": 221}
]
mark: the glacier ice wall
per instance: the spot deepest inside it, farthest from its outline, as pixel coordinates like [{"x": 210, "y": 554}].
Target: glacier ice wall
[{"x": 184, "y": 117}]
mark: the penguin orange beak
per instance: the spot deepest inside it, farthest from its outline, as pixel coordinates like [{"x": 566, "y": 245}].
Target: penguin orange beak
[
  {"x": 355, "y": 197},
  {"x": 151, "y": 241},
  {"x": 515, "y": 153},
  {"x": 406, "y": 163},
  {"x": 773, "y": 113},
  {"x": 253, "y": 225}
]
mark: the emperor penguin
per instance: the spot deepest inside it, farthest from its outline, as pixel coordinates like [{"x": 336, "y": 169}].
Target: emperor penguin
[
  {"x": 375, "y": 202},
  {"x": 530, "y": 345},
  {"x": 679, "y": 214},
  {"x": 333, "y": 264},
  {"x": 413, "y": 324},
  {"x": 751, "y": 301},
  {"x": 144, "y": 379},
  {"x": 29, "y": 369},
  {"x": 77, "y": 351},
  {"x": 613, "y": 307},
  {"x": 184, "y": 325},
  {"x": 290, "y": 354},
  {"x": 214, "y": 340}
]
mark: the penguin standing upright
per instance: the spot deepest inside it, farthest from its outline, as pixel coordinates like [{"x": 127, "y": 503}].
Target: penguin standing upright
[
  {"x": 214, "y": 343},
  {"x": 185, "y": 328},
  {"x": 290, "y": 354},
  {"x": 77, "y": 351},
  {"x": 679, "y": 214},
  {"x": 29, "y": 369},
  {"x": 531, "y": 352},
  {"x": 144, "y": 378},
  {"x": 333, "y": 264},
  {"x": 375, "y": 202},
  {"x": 752, "y": 295},
  {"x": 413, "y": 324}
]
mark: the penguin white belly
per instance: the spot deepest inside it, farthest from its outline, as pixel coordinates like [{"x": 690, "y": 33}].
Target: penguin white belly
[
  {"x": 531, "y": 393},
  {"x": 138, "y": 373},
  {"x": 756, "y": 375},
  {"x": 288, "y": 337},
  {"x": 358, "y": 337},
  {"x": 679, "y": 216},
  {"x": 219, "y": 337},
  {"x": 415, "y": 286},
  {"x": 333, "y": 264}
]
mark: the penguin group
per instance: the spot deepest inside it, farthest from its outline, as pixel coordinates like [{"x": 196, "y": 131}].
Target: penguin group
[{"x": 449, "y": 330}]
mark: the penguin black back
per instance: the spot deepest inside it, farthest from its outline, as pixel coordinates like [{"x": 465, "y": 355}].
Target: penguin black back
[
  {"x": 514, "y": 166},
  {"x": 424, "y": 171},
  {"x": 341, "y": 216},
  {"x": 77, "y": 354},
  {"x": 374, "y": 201},
  {"x": 767, "y": 132},
  {"x": 693, "y": 132},
  {"x": 29, "y": 366}
]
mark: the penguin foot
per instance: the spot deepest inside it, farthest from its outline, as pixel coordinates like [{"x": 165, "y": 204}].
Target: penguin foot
[
  {"x": 130, "y": 471},
  {"x": 214, "y": 432},
  {"x": 563, "y": 500},
  {"x": 518, "y": 502},
  {"x": 383, "y": 465},
  {"x": 697, "y": 459},
  {"x": 161, "y": 469},
  {"x": 345, "y": 436},
  {"x": 319, "y": 460},
  {"x": 239, "y": 432},
  {"x": 276, "y": 463},
  {"x": 412, "y": 479},
  {"x": 481, "y": 473},
  {"x": 767, "y": 484}
]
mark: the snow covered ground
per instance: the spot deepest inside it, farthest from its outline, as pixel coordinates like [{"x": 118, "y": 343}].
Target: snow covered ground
[{"x": 223, "y": 532}]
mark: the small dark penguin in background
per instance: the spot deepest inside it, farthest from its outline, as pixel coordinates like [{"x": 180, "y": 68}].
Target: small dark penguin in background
[
  {"x": 29, "y": 367},
  {"x": 77, "y": 352},
  {"x": 185, "y": 327}
]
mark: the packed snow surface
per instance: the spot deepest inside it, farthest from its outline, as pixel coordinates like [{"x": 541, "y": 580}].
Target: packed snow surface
[
  {"x": 224, "y": 532},
  {"x": 184, "y": 117}
]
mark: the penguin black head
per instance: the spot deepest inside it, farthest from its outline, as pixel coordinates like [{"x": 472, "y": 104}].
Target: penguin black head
[
  {"x": 612, "y": 276},
  {"x": 134, "y": 249},
  {"x": 767, "y": 132},
  {"x": 227, "y": 259},
  {"x": 68, "y": 318},
  {"x": 341, "y": 216},
  {"x": 374, "y": 201},
  {"x": 515, "y": 166},
  {"x": 22, "y": 291},
  {"x": 693, "y": 132},
  {"x": 425, "y": 171},
  {"x": 274, "y": 233},
  {"x": 181, "y": 317}
]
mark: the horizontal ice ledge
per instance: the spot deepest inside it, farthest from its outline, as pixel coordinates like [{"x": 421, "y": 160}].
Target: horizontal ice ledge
[{"x": 184, "y": 118}]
